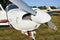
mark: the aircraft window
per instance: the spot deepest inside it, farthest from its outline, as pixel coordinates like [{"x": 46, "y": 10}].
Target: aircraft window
[
  {"x": 0, "y": 9},
  {"x": 11, "y": 6},
  {"x": 26, "y": 16}
]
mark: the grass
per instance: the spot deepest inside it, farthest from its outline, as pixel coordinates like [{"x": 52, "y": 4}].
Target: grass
[{"x": 43, "y": 32}]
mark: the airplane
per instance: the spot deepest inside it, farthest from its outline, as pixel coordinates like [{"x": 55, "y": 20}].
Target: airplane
[
  {"x": 51, "y": 11},
  {"x": 55, "y": 10},
  {"x": 25, "y": 19}
]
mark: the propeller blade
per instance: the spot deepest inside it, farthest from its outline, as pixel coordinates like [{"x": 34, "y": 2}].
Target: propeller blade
[
  {"x": 23, "y": 6},
  {"x": 51, "y": 25}
]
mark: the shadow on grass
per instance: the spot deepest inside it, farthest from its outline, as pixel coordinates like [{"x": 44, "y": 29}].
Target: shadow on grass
[{"x": 4, "y": 26}]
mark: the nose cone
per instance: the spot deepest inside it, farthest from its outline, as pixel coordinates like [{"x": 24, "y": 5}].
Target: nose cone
[{"x": 41, "y": 17}]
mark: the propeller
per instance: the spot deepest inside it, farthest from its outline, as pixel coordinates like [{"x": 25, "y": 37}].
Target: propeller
[
  {"x": 23, "y": 6},
  {"x": 51, "y": 25}
]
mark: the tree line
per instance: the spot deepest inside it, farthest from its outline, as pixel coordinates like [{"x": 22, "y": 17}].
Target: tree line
[{"x": 43, "y": 7}]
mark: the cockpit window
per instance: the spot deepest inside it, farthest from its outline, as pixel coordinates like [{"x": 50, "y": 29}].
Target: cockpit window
[
  {"x": 11, "y": 6},
  {"x": 0, "y": 9},
  {"x": 27, "y": 16}
]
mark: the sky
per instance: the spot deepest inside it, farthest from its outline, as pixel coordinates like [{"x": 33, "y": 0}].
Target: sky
[{"x": 43, "y": 2}]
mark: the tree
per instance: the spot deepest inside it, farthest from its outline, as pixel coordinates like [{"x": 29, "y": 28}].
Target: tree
[
  {"x": 34, "y": 7},
  {"x": 53, "y": 7},
  {"x": 42, "y": 7}
]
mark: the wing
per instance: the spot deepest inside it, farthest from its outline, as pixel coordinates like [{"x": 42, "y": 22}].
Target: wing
[{"x": 23, "y": 6}]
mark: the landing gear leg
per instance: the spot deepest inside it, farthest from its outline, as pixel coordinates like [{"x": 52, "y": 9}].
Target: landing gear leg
[{"x": 33, "y": 35}]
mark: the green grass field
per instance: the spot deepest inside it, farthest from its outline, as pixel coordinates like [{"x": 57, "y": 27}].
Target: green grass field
[{"x": 43, "y": 32}]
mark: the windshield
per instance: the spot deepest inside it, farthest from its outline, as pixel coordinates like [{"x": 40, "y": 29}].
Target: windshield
[{"x": 11, "y": 6}]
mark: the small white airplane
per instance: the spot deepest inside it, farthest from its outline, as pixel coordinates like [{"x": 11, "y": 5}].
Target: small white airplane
[
  {"x": 55, "y": 10},
  {"x": 26, "y": 19},
  {"x": 51, "y": 11}
]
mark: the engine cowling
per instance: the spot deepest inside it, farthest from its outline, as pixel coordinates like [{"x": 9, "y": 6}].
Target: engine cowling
[{"x": 41, "y": 17}]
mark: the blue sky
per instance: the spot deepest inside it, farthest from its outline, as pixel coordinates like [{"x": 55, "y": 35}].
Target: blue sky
[{"x": 43, "y": 2}]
